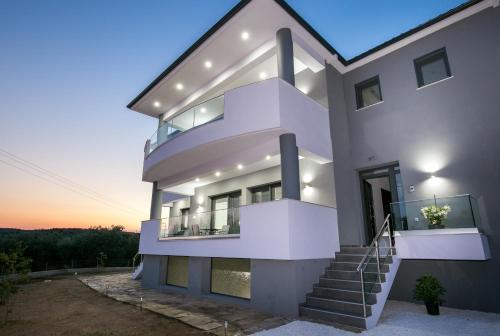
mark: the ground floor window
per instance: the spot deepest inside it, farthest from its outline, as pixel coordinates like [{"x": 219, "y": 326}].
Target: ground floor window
[
  {"x": 177, "y": 271},
  {"x": 231, "y": 277}
]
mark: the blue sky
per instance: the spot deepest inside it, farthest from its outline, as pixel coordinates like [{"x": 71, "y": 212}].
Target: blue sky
[{"x": 69, "y": 68}]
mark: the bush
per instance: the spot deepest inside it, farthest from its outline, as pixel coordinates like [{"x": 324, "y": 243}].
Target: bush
[{"x": 428, "y": 289}]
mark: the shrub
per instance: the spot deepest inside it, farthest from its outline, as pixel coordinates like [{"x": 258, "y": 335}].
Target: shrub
[{"x": 428, "y": 289}]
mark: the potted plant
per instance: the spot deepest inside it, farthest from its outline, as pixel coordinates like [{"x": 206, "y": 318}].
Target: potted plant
[
  {"x": 429, "y": 290},
  {"x": 435, "y": 215}
]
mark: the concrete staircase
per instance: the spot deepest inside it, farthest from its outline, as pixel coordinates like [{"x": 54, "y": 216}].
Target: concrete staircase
[{"x": 338, "y": 296}]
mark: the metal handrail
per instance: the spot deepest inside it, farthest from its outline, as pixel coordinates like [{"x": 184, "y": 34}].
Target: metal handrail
[
  {"x": 362, "y": 265},
  {"x": 134, "y": 260}
]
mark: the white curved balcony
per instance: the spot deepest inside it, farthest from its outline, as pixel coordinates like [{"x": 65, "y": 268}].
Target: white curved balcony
[{"x": 247, "y": 123}]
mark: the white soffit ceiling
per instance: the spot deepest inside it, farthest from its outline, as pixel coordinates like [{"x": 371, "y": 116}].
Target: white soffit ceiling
[{"x": 261, "y": 19}]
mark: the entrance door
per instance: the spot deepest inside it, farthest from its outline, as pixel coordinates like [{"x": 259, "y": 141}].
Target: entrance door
[
  {"x": 225, "y": 212},
  {"x": 380, "y": 187}
]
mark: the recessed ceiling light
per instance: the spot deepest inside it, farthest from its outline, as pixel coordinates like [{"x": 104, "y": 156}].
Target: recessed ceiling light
[
  {"x": 179, "y": 86},
  {"x": 156, "y": 104},
  {"x": 262, "y": 75},
  {"x": 245, "y": 35},
  {"x": 239, "y": 166},
  {"x": 208, "y": 64},
  {"x": 268, "y": 157},
  {"x": 217, "y": 173},
  {"x": 197, "y": 179},
  {"x": 203, "y": 110}
]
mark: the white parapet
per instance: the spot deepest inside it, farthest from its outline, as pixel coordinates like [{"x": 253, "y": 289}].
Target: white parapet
[
  {"x": 442, "y": 244},
  {"x": 283, "y": 230}
]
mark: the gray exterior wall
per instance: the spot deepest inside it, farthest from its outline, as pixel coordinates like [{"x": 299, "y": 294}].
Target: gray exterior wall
[
  {"x": 322, "y": 187},
  {"x": 451, "y": 127},
  {"x": 277, "y": 286},
  {"x": 280, "y": 286}
]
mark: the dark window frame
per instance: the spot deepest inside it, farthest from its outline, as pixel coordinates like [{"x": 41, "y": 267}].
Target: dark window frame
[
  {"x": 359, "y": 87},
  {"x": 270, "y": 186},
  {"x": 428, "y": 58},
  {"x": 228, "y": 295}
]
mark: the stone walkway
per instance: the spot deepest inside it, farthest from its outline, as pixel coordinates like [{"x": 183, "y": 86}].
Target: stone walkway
[{"x": 200, "y": 313}]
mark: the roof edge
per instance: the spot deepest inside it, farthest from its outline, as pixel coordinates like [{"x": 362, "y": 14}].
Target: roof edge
[
  {"x": 287, "y": 8},
  {"x": 414, "y": 30}
]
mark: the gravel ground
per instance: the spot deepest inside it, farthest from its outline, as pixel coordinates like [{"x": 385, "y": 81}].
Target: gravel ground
[{"x": 405, "y": 319}]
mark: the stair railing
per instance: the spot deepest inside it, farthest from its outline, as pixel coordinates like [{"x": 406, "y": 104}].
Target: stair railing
[
  {"x": 374, "y": 246},
  {"x": 134, "y": 260}
]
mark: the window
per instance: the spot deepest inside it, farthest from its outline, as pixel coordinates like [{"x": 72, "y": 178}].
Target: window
[
  {"x": 368, "y": 92},
  {"x": 432, "y": 67},
  {"x": 266, "y": 193},
  {"x": 231, "y": 277},
  {"x": 177, "y": 271}
]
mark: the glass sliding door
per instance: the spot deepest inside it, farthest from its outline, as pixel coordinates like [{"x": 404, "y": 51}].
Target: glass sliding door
[{"x": 225, "y": 214}]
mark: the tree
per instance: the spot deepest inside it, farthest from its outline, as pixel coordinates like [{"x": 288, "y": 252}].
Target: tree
[{"x": 14, "y": 268}]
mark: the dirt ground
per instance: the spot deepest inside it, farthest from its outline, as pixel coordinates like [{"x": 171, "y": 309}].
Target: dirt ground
[{"x": 65, "y": 306}]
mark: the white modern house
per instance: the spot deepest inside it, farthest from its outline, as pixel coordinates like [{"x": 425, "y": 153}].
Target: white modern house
[{"x": 289, "y": 179}]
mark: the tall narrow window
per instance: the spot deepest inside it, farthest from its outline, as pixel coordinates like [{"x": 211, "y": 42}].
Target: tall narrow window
[
  {"x": 178, "y": 271},
  {"x": 432, "y": 67},
  {"x": 368, "y": 92}
]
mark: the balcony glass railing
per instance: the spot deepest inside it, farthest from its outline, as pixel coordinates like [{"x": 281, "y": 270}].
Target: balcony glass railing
[
  {"x": 201, "y": 114},
  {"x": 212, "y": 223},
  {"x": 436, "y": 213}
]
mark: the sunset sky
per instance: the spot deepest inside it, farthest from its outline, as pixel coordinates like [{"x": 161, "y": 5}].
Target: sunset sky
[{"x": 69, "y": 68}]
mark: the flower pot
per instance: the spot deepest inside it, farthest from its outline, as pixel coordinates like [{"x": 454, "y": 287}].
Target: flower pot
[
  {"x": 432, "y": 308},
  {"x": 436, "y": 226}
]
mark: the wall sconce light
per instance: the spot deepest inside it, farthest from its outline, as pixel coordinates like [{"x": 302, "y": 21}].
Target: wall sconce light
[
  {"x": 307, "y": 178},
  {"x": 307, "y": 189},
  {"x": 200, "y": 200}
]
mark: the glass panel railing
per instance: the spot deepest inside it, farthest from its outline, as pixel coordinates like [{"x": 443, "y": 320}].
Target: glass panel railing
[
  {"x": 436, "y": 213},
  {"x": 201, "y": 114},
  {"x": 210, "y": 223}
]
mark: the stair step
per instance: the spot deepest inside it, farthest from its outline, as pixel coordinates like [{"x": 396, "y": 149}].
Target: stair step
[
  {"x": 338, "y": 306},
  {"x": 352, "y": 266},
  {"x": 350, "y": 275},
  {"x": 344, "y": 257},
  {"x": 340, "y": 318},
  {"x": 354, "y": 249},
  {"x": 357, "y": 250},
  {"x": 343, "y": 294},
  {"x": 349, "y": 284}
]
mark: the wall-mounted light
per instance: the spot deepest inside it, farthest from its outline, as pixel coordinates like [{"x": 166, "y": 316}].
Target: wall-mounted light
[
  {"x": 200, "y": 200},
  {"x": 307, "y": 178},
  {"x": 307, "y": 190},
  {"x": 262, "y": 75},
  {"x": 268, "y": 157}
]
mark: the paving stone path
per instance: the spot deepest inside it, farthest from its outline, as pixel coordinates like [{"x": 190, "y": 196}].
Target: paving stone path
[{"x": 200, "y": 313}]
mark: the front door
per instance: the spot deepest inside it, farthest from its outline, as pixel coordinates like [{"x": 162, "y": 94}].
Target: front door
[{"x": 380, "y": 187}]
